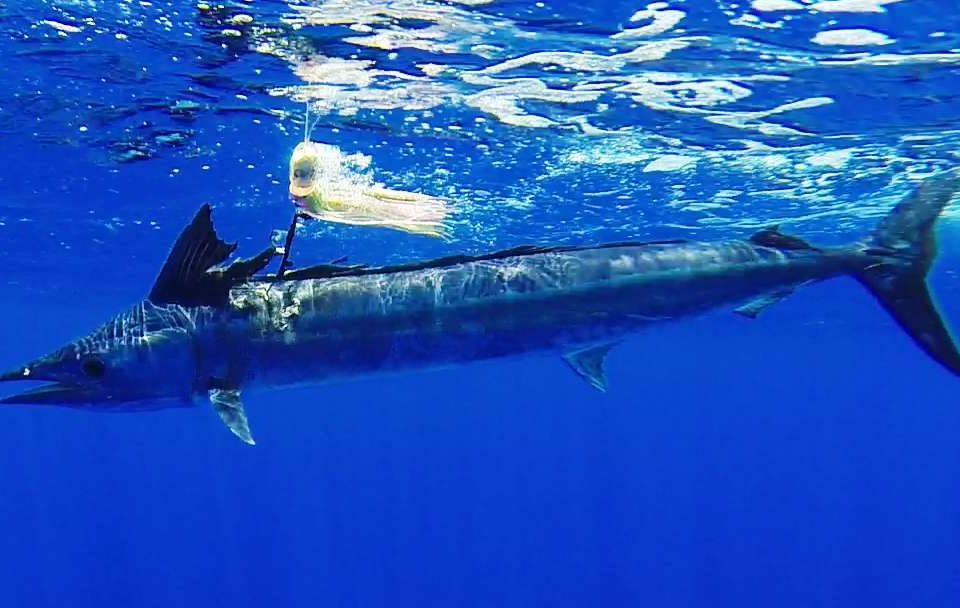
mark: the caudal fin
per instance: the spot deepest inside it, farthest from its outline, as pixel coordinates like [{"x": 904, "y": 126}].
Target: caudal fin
[{"x": 903, "y": 246}]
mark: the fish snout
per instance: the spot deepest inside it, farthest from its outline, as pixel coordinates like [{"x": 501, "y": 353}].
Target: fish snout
[
  {"x": 21, "y": 373},
  {"x": 53, "y": 394},
  {"x": 53, "y": 391}
]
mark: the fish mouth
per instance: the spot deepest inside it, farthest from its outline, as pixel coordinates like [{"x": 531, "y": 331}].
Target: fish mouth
[
  {"x": 56, "y": 393},
  {"x": 301, "y": 190},
  {"x": 51, "y": 393},
  {"x": 85, "y": 396}
]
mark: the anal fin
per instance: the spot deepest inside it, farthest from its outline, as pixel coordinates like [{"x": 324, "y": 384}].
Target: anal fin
[
  {"x": 754, "y": 307},
  {"x": 229, "y": 407},
  {"x": 588, "y": 363}
]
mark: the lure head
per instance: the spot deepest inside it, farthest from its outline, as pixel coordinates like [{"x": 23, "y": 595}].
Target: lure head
[
  {"x": 141, "y": 359},
  {"x": 303, "y": 169}
]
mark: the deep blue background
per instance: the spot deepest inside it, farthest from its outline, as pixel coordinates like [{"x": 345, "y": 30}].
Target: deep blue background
[
  {"x": 808, "y": 458},
  {"x": 792, "y": 461}
]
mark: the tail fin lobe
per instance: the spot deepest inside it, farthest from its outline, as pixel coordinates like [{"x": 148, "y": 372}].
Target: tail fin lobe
[
  {"x": 903, "y": 247},
  {"x": 909, "y": 302}
]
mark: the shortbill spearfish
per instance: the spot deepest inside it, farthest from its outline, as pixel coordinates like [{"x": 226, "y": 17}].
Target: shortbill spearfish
[{"x": 211, "y": 331}]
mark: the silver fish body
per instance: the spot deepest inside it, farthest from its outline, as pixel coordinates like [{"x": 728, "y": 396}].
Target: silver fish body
[{"x": 309, "y": 331}]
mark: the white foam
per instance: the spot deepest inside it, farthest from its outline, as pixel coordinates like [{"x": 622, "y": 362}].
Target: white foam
[
  {"x": 700, "y": 97},
  {"x": 426, "y": 39},
  {"x": 432, "y": 69},
  {"x": 333, "y": 70},
  {"x": 407, "y": 96},
  {"x": 62, "y": 27},
  {"x": 670, "y": 162},
  {"x": 752, "y": 120},
  {"x": 503, "y": 102},
  {"x": 662, "y": 20},
  {"x": 886, "y": 59},
  {"x": 681, "y": 95},
  {"x": 503, "y": 96},
  {"x": 452, "y": 29},
  {"x": 852, "y": 37},
  {"x": 769, "y": 6},
  {"x": 585, "y": 62},
  {"x": 655, "y": 51},
  {"x": 835, "y": 159},
  {"x": 851, "y": 6},
  {"x": 752, "y": 21}
]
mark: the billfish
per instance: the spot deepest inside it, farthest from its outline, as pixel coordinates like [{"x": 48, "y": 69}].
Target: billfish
[{"x": 211, "y": 331}]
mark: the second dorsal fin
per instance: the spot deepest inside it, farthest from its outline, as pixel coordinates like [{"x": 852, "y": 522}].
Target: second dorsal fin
[
  {"x": 772, "y": 237},
  {"x": 184, "y": 279}
]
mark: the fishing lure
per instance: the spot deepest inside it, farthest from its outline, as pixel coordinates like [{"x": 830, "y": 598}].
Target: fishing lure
[{"x": 329, "y": 185}]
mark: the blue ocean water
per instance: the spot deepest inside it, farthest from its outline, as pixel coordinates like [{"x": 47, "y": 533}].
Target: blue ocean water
[{"x": 807, "y": 458}]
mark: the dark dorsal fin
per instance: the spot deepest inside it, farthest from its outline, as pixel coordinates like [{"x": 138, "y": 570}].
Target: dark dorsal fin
[
  {"x": 772, "y": 237},
  {"x": 328, "y": 271},
  {"x": 183, "y": 278}
]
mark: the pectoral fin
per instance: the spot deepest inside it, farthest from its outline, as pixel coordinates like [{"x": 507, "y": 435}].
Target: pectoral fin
[
  {"x": 244, "y": 269},
  {"x": 229, "y": 407},
  {"x": 588, "y": 363}
]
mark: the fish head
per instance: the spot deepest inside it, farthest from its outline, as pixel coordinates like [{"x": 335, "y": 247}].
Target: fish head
[{"x": 141, "y": 359}]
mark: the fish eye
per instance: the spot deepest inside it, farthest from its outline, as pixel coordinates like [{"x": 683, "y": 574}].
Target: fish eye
[
  {"x": 301, "y": 173},
  {"x": 94, "y": 367}
]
